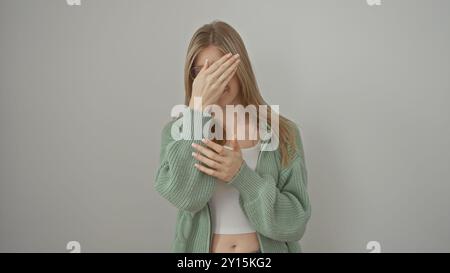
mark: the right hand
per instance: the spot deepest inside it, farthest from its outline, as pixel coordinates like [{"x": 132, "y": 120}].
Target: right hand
[{"x": 212, "y": 80}]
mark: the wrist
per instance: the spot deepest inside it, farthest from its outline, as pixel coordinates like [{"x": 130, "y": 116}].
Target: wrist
[{"x": 196, "y": 104}]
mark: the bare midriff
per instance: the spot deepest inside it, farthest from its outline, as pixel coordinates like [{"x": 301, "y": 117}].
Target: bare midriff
[{"x": 235, "y": 243}]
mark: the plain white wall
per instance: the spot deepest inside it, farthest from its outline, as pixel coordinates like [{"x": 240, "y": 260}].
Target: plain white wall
[{"x": 85, "y": 90}]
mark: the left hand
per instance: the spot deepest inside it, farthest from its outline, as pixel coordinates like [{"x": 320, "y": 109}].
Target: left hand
[{"x": 220, "y": 162}]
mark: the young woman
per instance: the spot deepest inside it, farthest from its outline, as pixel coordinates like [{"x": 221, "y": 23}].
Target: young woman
[{"x": 232, "y": 195}]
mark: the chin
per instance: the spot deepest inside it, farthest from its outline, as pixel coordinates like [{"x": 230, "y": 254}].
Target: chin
[{"x": 227, "y": 98}]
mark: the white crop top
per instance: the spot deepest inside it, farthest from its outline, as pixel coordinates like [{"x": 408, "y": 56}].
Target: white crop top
[{"x": 227, "y": 216}]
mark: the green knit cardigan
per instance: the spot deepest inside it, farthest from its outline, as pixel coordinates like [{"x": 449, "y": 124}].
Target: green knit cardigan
[{"x": 273, "y": 198}]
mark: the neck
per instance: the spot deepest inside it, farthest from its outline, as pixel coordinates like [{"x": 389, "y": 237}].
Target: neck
[{"x": 250, "y": 130}]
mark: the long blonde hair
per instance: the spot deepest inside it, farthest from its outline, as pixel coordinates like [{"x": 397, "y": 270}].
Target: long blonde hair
[{"x": 227, "y": 39}]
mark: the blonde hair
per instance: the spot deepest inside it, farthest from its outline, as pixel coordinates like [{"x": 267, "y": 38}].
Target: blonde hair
[{"x": 227, "y": 39}]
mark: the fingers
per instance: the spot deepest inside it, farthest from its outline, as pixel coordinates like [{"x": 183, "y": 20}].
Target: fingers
[
  {"x": 228, "y": 74},
  {"x": 235, "y": 144},
  {"x": 225, "y": 66},
  {"x": 206, "y": 65},
  {"x": 210, "y": 163},
  {"x": 203, "y": 69},
  {"x": 208, "y": 152},
  {"x": 211, "y": 144},
  {"x": 218, "y": 63},
  {"x": 222, "y": 167},
  {"x": 206, "y": 170}
]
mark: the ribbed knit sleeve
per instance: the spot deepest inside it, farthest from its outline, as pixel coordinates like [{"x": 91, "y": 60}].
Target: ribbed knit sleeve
[
  {"x": 278, "y": 213},
  {"x": 177, "y": 180}
]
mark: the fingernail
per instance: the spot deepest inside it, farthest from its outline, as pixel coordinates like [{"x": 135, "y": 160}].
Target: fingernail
[
  {"x": 229, "y": 54},
  {"x": 193, "y": 154},
  {"x": 236, "y": 56},
  {"x": 204, "y": 140},
  {"x": 193, "y": 144}
]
